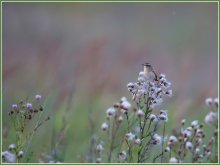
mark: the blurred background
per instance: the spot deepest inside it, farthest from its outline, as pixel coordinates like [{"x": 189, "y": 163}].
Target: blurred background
[{"x": 80, "y": 57}]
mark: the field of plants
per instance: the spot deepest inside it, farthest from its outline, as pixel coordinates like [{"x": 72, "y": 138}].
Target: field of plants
[{"x": 110, "y": 82}]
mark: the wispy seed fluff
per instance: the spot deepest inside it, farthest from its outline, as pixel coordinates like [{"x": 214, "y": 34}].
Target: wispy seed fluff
[
  {"x": 130, "y": 136},
  {"x": 104, "y": 126},
  {"x": 189, "y": 145},
  {"x": 172, "y": 140},
  {"x": 211, "y": 118},
  {"x": 125, "y": 104},
  {"x": 8, "y": 157},
  {"x": 151, "y": 89},
  {"x": 156, "y": 139},
  {"x": 110, "y": 112},
  {"x": 99, "y": 148},
  {"x": 173, "y": 160},
  {"x": 122, "y": 156},
  {"x": 163, "y": 116}
]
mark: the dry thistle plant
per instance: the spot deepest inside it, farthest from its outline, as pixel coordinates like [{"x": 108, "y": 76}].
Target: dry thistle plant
[
  {"x": 26, "y": 118},
  {"x": 132, "y": 133},
  {"x": 189, "y": 145}
]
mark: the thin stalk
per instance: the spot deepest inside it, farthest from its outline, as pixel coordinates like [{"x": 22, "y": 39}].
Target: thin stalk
[
  {"x": 164, "y": 127},
  {"x": 160, "y": 155},
  {"x": 114, "y": 132}
]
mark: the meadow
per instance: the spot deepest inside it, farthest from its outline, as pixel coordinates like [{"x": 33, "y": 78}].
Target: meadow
[{"x": 80, "y": 57}]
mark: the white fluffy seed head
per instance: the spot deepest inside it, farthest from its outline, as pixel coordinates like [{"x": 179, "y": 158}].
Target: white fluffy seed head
[
  {"x": 169, "y": 93},
  {"x": 216, "y": 102},
  {"x": 137, "y": 141},
  {"x": 194, "y": 123},
  {"x": 11, "y": 147},
  {"x": 189, "y": 145},
  {"x": 197, "y": 150},
  {"x": 211, "y": 118},
  {"x": 173, "y": 160},
  {"x": 162, "y": 76},
  {"x": 122, "y": 156},
  {"x": 141, "y": 79},
  {"x": 140, "y": 113},
  {"x": 152, "y": 117},
  {"x": 98, "y": 160},
  {"x": 167, "y": 149},
  {"x": 99, "y": 148},
  {"x": 187, "y": 132},
  {"x": 130, "y": 136},
  {"x": 110, "y": 112},
  {"x": 126, "y": 105},
  {"x": 120, "y": 119},
  {"x": 20, "y": 154},
  {"x": 172, "y": 139},
  {"x": 156, "y": 140},
  {"x": 209, "y": 101},
  {"x": 8, "y": 157},
  {"x": 163, "y": 117},
  {"x": 104, "y": 126},
  {"x": 183, "y": 121}
]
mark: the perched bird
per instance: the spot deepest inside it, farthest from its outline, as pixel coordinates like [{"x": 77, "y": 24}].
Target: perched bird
[{"x": 149, "y": 72}]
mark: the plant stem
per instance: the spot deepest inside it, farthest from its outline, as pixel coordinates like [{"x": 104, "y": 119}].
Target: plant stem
[{"x": 163, "y": 140}]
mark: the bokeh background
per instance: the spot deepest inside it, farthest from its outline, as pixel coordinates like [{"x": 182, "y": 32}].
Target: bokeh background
[{"x": 80, "y": 56}]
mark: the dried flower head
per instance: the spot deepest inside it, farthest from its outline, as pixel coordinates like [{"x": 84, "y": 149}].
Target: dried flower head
[
  {"x": 99, "y": 148},
  {"x": 137, "y": 141},
  {"x": 8, "y": 157},
  {"x": 173, "y": 160},
  {"x": 189, "y": 145},
  {"x": 14, "y": 106},
  {"x": 38, "y": 97},
  {"x": 29, "y": 106},
  {"x": 130, "y": 136},
  {"x": 98, "y": 160},
  {"x": 122, "y": 156},
  {"x": 209, "y": 101},
  {"x": 20, "y": 154},
  {"x": 211, "y": 118},
  {"x": 156, "y": 139},
  {"x": 140, "y": 113},
  {"x": 194, "y": 123},
  {"x": 11, "y": 147},
  {"x": 110, "y": 112},
  {"x": 104, "y": 126}
]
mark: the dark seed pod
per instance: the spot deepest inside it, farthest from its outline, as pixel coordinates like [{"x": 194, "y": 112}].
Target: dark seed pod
[
  {"x": 215, "y": 133},
  {"x": 35, "y": 111},
  {"x": 11, "y": 113},
  {"x": 41, "y": 109},
  {"x": 201, "y": 126},
  {"x": 116, "y": 105}
]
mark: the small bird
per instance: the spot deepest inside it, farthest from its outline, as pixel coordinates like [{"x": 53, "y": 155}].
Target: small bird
[{"x": 149, "y": 72}]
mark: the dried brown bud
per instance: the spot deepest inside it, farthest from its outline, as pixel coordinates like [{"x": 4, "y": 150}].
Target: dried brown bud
[
  {"x": 215, "y": 133},
  {"x": 116, "y": 105},
  {"x": 201, "y": 126},
  {"x": 35, "y": 111},
  {"x": 11, "y": 113},
  {"x": 41, "y": 109},
  {"x": 180, "y": 138}
]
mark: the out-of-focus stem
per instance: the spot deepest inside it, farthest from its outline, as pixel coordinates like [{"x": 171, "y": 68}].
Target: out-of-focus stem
[{"x": 164, "y": 127}]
